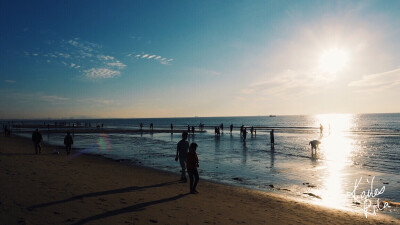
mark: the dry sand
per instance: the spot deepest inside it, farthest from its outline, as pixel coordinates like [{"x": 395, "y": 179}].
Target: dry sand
[{"x": 57, "y": 189}]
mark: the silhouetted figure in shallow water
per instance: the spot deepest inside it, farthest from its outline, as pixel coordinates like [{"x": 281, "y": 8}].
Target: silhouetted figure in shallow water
[
  {"x": 188, "y": 129},
  {"x": 172, "y": 128},
  {"x": 222, "y": 127},
  {"x": 151, "y": 126},
  {"x": 181, "y": 154},
  {"x": 231, "y": 128},
  {"x": 252, "y": 130},
  {"x": 314, "y": 146},
  {"x": 68, "y": 142},
  {"x": 37, "y": 141},
  {"x": 272, "y": 139},
  {"x": 192, "y": 165},
  {"x": 321, "y": 129},
  {"x": 193, "y": 130},
  {"x": 141, "y": 126},
  {"x": 244, "y": 134}
]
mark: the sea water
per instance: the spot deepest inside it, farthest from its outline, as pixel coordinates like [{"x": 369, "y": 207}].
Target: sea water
[{"x": 359, "y": 149}]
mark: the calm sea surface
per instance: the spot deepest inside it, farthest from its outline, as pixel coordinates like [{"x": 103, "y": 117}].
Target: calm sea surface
[{"x": 363, "y": 148}]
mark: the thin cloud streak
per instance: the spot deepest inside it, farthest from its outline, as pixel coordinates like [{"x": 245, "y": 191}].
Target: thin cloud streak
[{"x": 379, "y": 81}]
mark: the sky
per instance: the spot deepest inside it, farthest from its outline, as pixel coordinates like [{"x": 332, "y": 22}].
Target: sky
[{"x": 138, "y": 59}]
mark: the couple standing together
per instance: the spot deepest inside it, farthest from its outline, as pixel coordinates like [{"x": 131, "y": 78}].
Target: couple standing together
[{"x": 189, "y": 160}]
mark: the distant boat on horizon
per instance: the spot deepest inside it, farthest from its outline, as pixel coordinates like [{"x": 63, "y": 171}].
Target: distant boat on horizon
[{"x": 272, "y": 115}]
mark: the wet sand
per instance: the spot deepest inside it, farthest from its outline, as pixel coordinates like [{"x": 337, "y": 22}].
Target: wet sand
[
  {"x": 84, "y": 189},
  {"x": 108, "y": 131}
]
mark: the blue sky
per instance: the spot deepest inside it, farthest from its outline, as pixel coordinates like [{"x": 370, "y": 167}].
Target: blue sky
[{"x": 124, "y": 59}]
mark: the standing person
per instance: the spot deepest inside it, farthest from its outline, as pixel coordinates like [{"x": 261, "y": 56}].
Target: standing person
[
  {"x": 252, "y": 130},
  {"x": 37, "y": 141},
  {"x": 181, "y": 154},
  {"x": 222, "y": 127},
  {"x": 141, "y": 126},
  {"x": 244, "y": 134},
  {"x": 192, "y": 165},
  {"x": 321, "y": 129},
  {"x": 193, "y": 130},
  {"x": 231, "y": 128},
  {"x": 151, "y": 126},
  {"x": 172, "y": 128},
  {"x": 68, "y": 142},
  {"x": 271, "y": 136}
]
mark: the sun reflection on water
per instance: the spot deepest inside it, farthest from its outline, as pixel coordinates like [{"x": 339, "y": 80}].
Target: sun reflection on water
[{"x": 335, "y": 151}]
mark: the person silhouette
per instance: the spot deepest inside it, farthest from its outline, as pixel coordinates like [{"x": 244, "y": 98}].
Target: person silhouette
[
  {"x": 231, "y": 128},
  {"x": 68, "y": 142},
  {"x": 37, "y": 141},
  {"x": 272, "y": 138},
  {"x": 181, "y": 154},
  {"x": 192, "y": 165}
]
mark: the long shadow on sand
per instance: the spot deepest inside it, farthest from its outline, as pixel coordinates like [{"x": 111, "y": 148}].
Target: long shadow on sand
[
  {"x": 94, "y": 194},
  {"x": 133, "y": 208}
]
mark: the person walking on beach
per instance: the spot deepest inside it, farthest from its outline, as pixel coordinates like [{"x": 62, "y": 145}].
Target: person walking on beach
[
  {"x": 151, "y": 126},
  {"x": 222, "y": 127},
  {"x": 231, "y": 128},
  {"x": 37, "y": 141},
  {"x": 181, "y": 154},
  {"x": 68, "y": 142},
  {"x": 192, "y": 165},
  {"x": 141, "y": 126},
  {"x": 172, "y": 128},
  {"x": 193, "y": 130},
  {"x": 272, "y": 138}
]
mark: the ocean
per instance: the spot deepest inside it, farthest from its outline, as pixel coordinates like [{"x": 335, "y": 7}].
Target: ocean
[{"x": 358, "y": 153}]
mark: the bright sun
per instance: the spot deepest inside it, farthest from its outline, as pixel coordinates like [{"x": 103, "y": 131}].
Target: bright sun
[{"x": 333, "y": 60}]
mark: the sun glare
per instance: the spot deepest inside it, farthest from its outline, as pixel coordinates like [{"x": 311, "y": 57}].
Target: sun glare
[{"x": 333, "y": 60}]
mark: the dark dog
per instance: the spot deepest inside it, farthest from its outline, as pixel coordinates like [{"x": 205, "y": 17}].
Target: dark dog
[{"x": 314, "y": 145}]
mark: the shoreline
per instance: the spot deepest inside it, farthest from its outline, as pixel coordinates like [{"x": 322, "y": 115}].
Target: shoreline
[{"x": 91, "y": 176}]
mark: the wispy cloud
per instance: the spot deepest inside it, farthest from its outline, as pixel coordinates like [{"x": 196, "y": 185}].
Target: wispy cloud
[
  {"x": 9, "y": 81},
  {"x": 52, "y": 98},
  {"x": 103, "y": 73},
  {"x": 154, "y": 57},
  {"x": 96, "y": 101},
  {"x": 85, "y": 57},
  {"x": 33, "y": 97},
  {"x": 287, "y": 83},
  {"x": 378, "y": 82},
  {"x": 117, "y": 64}
]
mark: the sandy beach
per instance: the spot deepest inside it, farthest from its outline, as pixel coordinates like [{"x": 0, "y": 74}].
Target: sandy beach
[{"x": 84, "y": 189}]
